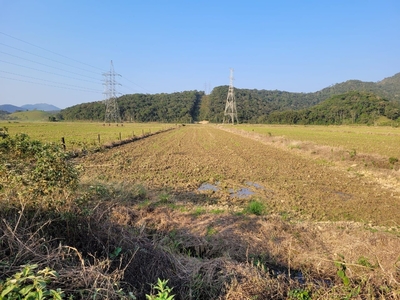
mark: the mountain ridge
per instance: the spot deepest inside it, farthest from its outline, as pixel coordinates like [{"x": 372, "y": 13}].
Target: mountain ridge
[{"x": 38, "y": 106}]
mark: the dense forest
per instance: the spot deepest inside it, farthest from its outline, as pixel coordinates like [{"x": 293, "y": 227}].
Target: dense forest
[
  {"x": 349, "y": 108},
  {"x": 169, "y": 108},
  {"x": 363, "y": 101}
]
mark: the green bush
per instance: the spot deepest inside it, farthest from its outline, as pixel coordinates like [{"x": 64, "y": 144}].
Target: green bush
[
  {"x": 33, "y": 168},
  {"x": 30, "y": 285}
]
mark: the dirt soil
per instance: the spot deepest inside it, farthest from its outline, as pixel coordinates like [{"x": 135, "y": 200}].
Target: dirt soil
[
  {"x": 200, "y": 179},
  {"x": 238, "y": 168}
]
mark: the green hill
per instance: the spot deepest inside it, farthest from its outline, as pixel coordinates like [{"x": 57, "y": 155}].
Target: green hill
[
  {"x": 172, "y": 108},
  {"x": 350, "y": 108},
  {"x": 254, "y": 106},
  {"x": 32, "y": 115}
]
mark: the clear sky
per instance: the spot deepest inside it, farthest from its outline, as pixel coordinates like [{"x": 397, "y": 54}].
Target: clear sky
[{"x": 55, "y": 51}]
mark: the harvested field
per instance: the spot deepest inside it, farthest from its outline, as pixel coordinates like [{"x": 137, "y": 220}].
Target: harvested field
[
  {"x": 287, "y": 182},
  {"x": 248, "y": 218}
]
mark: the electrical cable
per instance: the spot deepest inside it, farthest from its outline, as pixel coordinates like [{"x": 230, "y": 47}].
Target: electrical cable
[
  {"x": 47, "y": 58},
  {"x": 49, "y": 85},
  {"x": 80, "y": 87},
  {"x": 97, "y": 82},
  {"x": 16, "y": 56},
  {"x": 50, "y": 51}
]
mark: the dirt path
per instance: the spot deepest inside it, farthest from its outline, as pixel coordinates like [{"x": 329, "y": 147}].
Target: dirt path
[{"x": 181, "y": 160}]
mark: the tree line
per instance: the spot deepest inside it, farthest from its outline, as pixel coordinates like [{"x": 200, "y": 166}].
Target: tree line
[{"x": 352, "y": 101}]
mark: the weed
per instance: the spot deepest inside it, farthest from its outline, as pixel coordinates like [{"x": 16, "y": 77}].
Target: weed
[
  {"x": 164, "y": 197},
  {"x": 163, "y": 292},
  {"x": 341, "y": 272},
  {"x": 365, "y": 262},
  {"x": 211, "y": 231},
  {"x": 30, "y": 285},
  {"x": 115, "y": 253},
  {"x": 299, "y": 294},
  {"x": 199, "y": 211},
  {"x": 352, "y": 153},
  {"x": 255, "y": 207},
  {"x": 285, "y": 215},
  {"x": 139, "y": 191},
  {"x": 217, "y": 211},
  {"x": 393, "y": 160},
  {"x": 294, "y": 146}
]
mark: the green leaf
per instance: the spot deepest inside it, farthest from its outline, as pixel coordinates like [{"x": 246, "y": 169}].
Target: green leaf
[
  {"x": 25, "y": 290},
  {"x": 346, "y": 281},
  {"x": 32, "y": 296},
  {"x": 341, "y": 274},
  {"x": 7, "y": 290}
]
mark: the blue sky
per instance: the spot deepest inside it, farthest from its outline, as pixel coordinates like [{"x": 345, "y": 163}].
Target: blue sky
[{"x": 55, "y": 51}]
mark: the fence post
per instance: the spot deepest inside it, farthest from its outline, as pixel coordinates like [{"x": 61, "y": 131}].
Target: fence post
[
  {"x": 63, "y": 143},
  {"x": 98, "y": 137},
  {"x": 120, "y": 136}
]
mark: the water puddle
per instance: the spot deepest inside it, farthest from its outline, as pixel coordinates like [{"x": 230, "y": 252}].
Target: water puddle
[
  {"x": 242, "y": 193},
  {"x": 342, "y": 195},
  {"x": 208, "y": 187},
  {"x": 256, "y": 185}
]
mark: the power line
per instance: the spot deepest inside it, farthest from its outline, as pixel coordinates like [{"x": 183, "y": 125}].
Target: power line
[
  {"x": 50, "y": 51},
  {"x": 135, "y": 84},
  {"x": 48, "y": 85},
  {"x": 97, "y": 82},
  {"x": 72, "y": 85},
  {"x": 46, "y": 65},
  {"x": 47, "y": 58}
]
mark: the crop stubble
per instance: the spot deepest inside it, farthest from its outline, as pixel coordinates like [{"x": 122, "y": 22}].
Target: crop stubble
[{"x": 179, "y": 161}]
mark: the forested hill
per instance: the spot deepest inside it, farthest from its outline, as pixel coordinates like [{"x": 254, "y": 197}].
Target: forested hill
[
  {"x": 254, "y": 106},
  {"x": 350, "y": 108},
  {"x": 170, "y": 108}
]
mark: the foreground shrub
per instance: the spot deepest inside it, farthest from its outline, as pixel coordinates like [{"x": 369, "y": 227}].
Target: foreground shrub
[
  {"x": 28, "y": 284},
  {"x": 31, "y": 170}
]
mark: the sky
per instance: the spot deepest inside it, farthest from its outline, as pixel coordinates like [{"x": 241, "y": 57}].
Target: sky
[{"x": 56, "y": 51}]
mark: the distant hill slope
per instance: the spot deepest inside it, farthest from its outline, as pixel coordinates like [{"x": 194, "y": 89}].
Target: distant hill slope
[
  {"x": 253, "y": 106},
  {"x": 40, "y": 106},
  {"x": 10, "y": 108},
  {"x": 32, "y": 115},
  {"x": 3, "y": 114}
]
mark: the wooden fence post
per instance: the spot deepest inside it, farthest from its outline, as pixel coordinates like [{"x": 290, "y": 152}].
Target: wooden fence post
[
  {"x": 63, "y": 143},
  {"x": 98, "y": 137}
]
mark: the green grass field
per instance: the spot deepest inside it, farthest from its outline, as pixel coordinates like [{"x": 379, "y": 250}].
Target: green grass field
[
  {"x": 380, "y": 140},
  {"x": 80, "y": 135}
]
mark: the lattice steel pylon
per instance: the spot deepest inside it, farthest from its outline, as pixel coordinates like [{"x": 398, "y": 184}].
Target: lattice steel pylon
[
  {"x": 230, "y": 114},
  {"x": 112, "y": 111}
]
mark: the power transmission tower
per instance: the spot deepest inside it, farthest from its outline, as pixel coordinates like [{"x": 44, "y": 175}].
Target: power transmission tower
[
  {"x": 230, "y": 114},
  {"x": 112, "y": 110}
]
